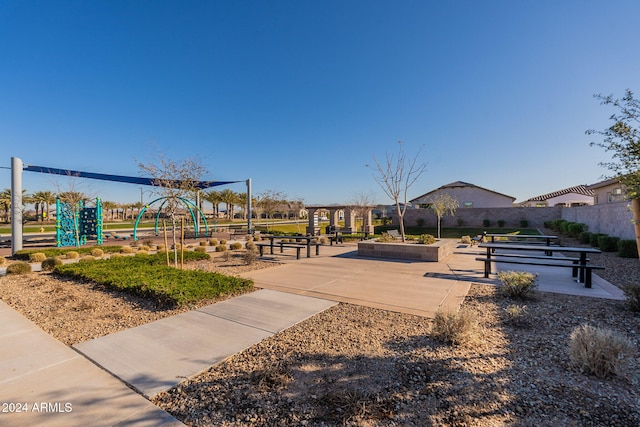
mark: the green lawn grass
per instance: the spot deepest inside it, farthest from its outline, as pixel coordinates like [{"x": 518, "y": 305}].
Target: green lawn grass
[{"x": 148, "y": 276}]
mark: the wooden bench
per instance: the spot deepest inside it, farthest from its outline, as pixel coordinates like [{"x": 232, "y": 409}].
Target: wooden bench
[{"x": 543, "y": 261}]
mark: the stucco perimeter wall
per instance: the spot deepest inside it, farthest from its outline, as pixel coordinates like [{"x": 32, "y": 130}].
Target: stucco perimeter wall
[
  {"x": 614, "y": 219},
  {"x": 474, "y": 217}
]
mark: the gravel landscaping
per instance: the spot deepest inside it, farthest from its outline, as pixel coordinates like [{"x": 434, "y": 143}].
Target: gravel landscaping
[{"x": 359, "y": 366}]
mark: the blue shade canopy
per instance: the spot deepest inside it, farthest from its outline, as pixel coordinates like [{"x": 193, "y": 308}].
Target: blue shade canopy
[{"x": 118, "y": 178}]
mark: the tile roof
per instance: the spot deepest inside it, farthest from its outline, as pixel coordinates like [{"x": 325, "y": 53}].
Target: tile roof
[{"x": 578, "y": 189}]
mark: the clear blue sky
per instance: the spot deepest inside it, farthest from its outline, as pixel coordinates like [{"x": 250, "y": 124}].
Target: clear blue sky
[{"x": 300, "y": 95}]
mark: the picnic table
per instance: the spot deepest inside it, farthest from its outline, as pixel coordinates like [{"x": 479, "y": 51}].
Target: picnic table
[
  {"x": 579, "y": 265},
  {"x": 307, "y": 242},
  {"x": 517, "y": 237}
]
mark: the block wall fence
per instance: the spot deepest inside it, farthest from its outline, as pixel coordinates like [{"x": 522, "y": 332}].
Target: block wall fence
[{"x": 614, "y": 219}]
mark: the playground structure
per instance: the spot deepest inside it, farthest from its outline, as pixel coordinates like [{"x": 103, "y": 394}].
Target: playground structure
[
  {"x": 190, "y": 206},
  {"x": 75, "y": 223},
  {"x": 17, "y": 167}
]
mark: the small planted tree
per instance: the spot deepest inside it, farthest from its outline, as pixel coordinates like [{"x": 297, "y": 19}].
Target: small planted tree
[
  {"x": 443, "y": 204},
  {"x": 396, "y": 176},
  {"x": 175, "y": 180},
  {"x": 622, "y": 138}
]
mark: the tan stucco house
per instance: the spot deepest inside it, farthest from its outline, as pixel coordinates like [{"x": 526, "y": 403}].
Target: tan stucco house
[
  {"x": 608, "y": 191},
  {"x": 468, "y": 196}
]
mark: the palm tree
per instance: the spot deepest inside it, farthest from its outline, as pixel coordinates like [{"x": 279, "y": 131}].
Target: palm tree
[
  {"x": 5, "y": 203},
  {"x": 215, "y": 199},
  {"x": 229, "y": 198},
  {"x": 108, "y": 206},
  {"x": 48, "y": 198},
  {"x": 41, "y": 199}
]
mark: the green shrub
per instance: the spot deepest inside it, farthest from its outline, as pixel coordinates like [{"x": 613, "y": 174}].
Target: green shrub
[
  {"x": 600, "y": 351},
  {"x": 426, "y": 239},
  {"x": 420, "y": 222},
  {"x": 632, "y": 293},
  {"x": 72, "y": 254},
  {"x": 595, "y": 239},
  {"x": 20, "y": 267},
  {"x": 517, "y": 284},
  {"x": 460, "y": 222},
  {"x": 235, "y": 246},
  {"x": 50, "y": 263},
  {"x": 627, "y": 249},
  {"x": 501, "y": 223},
  {"x": 37, "y": 257},
  {"x": 455, "y": 327},
  {"x": 486, "y": 223},
  {"x": 97, "y": 252},
  {"x": 524, "y": 223},
  {"x": 608, "y": 243},
  {"x": 585, "y": 237},
  {"x": 221, "y": 248},
  {"x": 575, "y": 228}
]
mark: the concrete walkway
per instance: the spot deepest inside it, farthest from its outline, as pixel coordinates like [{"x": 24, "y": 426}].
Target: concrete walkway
[{"x": 36, "y": 369}]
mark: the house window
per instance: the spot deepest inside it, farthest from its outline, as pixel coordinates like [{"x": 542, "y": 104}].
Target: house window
[
  {"x": 468, "y": 204},
  {"x": 541, "y": 205}
]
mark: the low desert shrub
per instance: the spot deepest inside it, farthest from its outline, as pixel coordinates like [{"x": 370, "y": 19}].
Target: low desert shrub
[
  {"x": 214, "y": 242},
  {"x": 221, "y": 248},
  {"x": 50, "y": 263},
  {"x": 19, "y": 268},
  {"x": 3, "y": 260},
  {"x": 517, "y": 284},
  {"x": 250, "y": 256},
  {"x": 250, "y": 245},
  {"x": 632, "y": 293},
  {"x": 385, "y": 238},
  {"x": 223, "y": 241},
  {"x": 517, "y": 314},
  {"x": 203, "y": 243},
  {"x": 323, "y": 240},
  {"x": 426, "y": 239},
  {"x": 126, "y": 250},
  {"x": 226, "y": 256},
  {"x": 87, "y": 258},
  {"x": 201, "y": 249},
  {"x": 455, "y": 327},
  {"x": 627, "y": 249},
  {"x": 585, "y": 237},
  {"x": 97, "y": 252},
  {"x": 600, "y": 351},
  {"x": 235, "y": 246},
  {"x": 466, "y": 240},
  {"x": 37, "y": 257},
  {"x": 595, "y": 239},
  {"x": 608, "y": 243},
  {"x": 72, "y": 255}
]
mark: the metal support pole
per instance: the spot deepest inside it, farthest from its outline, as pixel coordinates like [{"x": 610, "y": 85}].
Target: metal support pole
[
  {"x": 16, "y": 205},
  {"x": 249, "y": 213}
]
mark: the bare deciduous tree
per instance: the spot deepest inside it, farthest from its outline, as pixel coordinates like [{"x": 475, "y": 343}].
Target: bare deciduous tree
[
  {"x": 396, "y": 176},
  {"x": 176, "y": 180}
]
